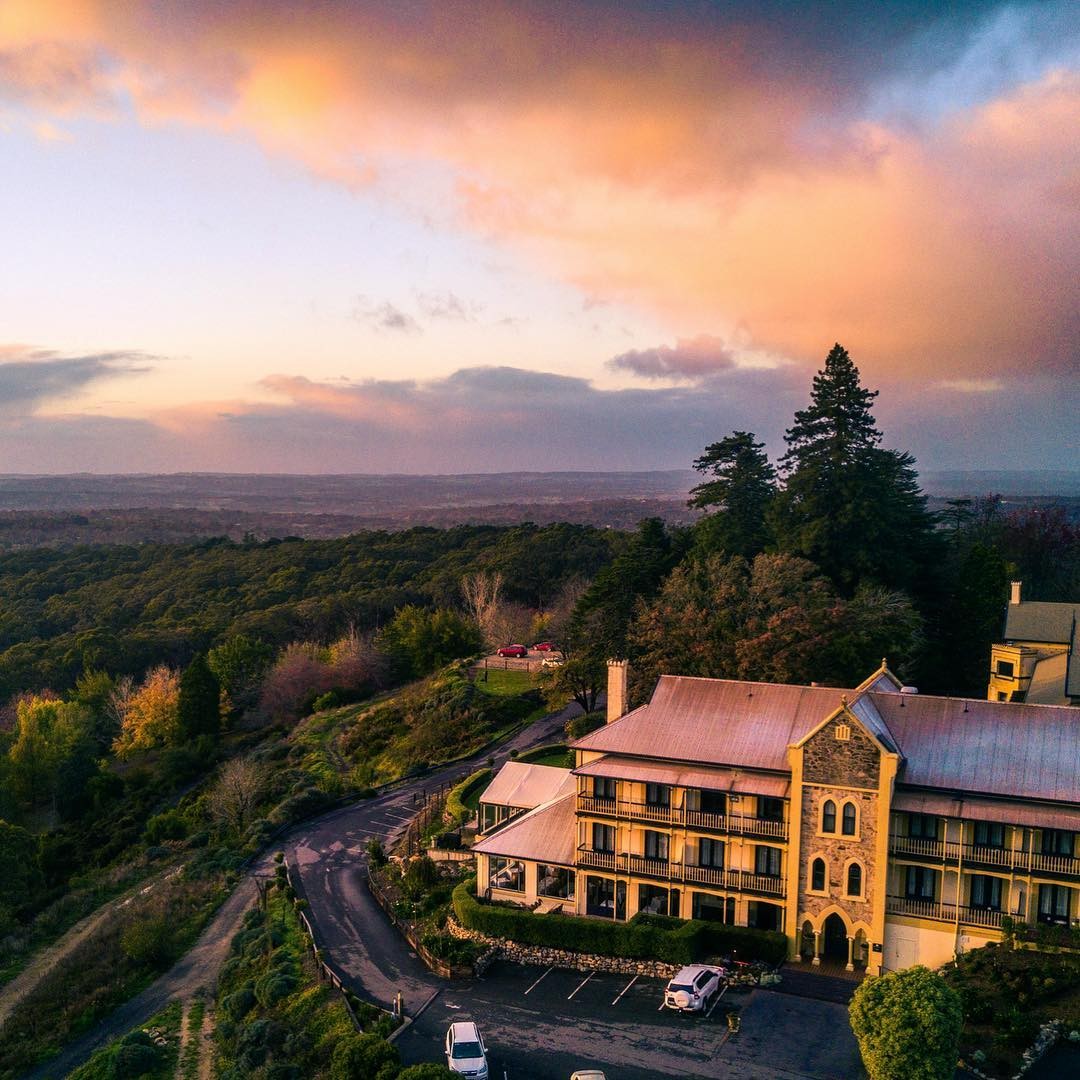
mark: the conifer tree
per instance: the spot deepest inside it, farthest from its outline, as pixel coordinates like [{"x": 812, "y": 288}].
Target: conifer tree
[
  {"x": 738, "y": 495},
  {"x": 850, "y": 507},
  {"x": 199, "y": 704}
]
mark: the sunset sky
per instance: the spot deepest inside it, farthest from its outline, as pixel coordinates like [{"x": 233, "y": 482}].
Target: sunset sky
[{"x": 473, "y": 236}]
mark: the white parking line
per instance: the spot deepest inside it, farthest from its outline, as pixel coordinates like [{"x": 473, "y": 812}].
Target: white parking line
[
  {"x": 716, "y": 1001},
  {"x": 625, "y": 988},
  {"x": 581, "y": 984},
  {"x": 538, "y": 981}
]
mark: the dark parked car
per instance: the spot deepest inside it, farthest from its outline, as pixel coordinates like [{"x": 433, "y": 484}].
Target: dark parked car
[{"x": 513, "y": 650}]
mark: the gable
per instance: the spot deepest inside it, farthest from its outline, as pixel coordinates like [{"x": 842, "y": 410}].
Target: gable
[{"x": 854, "y": 761}]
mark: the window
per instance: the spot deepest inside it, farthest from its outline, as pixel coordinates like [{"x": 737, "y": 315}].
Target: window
[
  {"x": 843, "y": 732},
  {"x": 711, "y": 853},
  {"x": 920, "y": 883},
  {"x": 603, "y": 837},
  {"x": 854, "y": 880},
  {"x": 600, "y": 897},
  {"x": 1057, "y": 842},
  {"x": 1055, "y": 904},
  {"x": 767, "y": 861},
  {"x": 713, "y": 802},
  {"x": 848, "y": 826},
  {"x": 770, "y": 809},
  {"x": 922, "y": 825},
  {"x": 656, "y": 845},
  {"x": 603, "y": 788},
  {"x": 986, "y": 892},
  {"x": 652, "y": 900},
  {"x": 555, "y": 881},
  {"x": 506, "y": 874},
  {"x": 828, "y": 816},
  {"x": 817, "y": 875},
  {"x": 989, "y": 834},
  {"x": 657, "y": 795},
  {"x": 1006, "y": 669}
]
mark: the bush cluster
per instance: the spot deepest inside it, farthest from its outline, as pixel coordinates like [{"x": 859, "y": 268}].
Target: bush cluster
[
  {"x": 673, "y": 941},
  {"x": 456, "y": 808}
]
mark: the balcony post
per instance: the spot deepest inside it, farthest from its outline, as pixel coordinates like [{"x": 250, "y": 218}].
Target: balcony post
[
  {"x": 817, "y": 948},
  {"x": 850, "y": 954}
]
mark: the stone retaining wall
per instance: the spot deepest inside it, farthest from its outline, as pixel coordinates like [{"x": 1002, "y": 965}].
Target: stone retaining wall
[{"x": 560, "y": 958}]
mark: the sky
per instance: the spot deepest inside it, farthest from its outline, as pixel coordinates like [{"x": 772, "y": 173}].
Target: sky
[{"x": 265, "y": 236}]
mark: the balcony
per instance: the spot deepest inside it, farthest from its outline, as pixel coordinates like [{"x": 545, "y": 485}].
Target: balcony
[
  {"x": 705, "y": 875},
  {"x": 600, "y": 860},
  {"x": 643, "y": 866},
  {"x": 934, "y": 909},
  {"x": 742, "y": 881},
  {"x": 734, "y": 824},
  {"x": 1000, "y": 858}
]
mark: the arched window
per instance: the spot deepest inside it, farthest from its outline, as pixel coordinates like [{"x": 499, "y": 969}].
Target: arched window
[
  {"x": 849, "y": 819},
  {"x": 828, "y": 816},
  {"x": 854, "y": 880},
  {"x": 817, "y": 875}
]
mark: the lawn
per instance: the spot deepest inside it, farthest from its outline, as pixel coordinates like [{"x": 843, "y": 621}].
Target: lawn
[
  {"x": 508, "y": 683},
  {"x": 554, "y": 755}
]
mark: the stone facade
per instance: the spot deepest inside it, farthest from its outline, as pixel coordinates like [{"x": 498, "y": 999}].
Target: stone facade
[{"x": 839, "y": 770}]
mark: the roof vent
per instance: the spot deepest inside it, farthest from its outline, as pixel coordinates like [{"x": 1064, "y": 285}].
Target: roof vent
[{"x": 909, "y": 689}]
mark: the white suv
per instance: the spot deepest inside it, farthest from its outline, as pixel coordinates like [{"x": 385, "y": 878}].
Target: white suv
[
  {"x": 694, "y": 988},
  {"x": 466, "y": 1054}
]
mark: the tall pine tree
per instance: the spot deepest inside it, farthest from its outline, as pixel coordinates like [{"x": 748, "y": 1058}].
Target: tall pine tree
[
  {"x": 199, "y": 707},
  {"x": 850, "y": 507},
  {"x": 742, "y": 485}
]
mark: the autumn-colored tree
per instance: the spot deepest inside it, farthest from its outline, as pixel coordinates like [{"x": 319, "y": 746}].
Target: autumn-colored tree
[
  {"x": 299, "y": 671},
  {"x": 53, "y": 755},
  {"x": 149, "y": 713}
]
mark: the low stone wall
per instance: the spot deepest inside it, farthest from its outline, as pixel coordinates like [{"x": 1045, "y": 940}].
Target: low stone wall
[{"x": 560, "y": 958}]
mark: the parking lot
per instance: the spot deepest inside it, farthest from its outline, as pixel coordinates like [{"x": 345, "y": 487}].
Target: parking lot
[{"x": 544, "y": 1024}]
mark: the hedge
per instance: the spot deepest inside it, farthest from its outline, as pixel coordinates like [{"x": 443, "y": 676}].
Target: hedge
[
  {"x": 644, "y": 937},
  {"x": 455, "y": 801}
]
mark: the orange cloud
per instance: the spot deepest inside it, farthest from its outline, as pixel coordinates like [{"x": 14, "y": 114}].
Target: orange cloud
[{"x": 715, "y": 177}]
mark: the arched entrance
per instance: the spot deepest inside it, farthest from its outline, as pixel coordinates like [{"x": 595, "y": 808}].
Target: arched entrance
[{"x": 835, "y": 944}]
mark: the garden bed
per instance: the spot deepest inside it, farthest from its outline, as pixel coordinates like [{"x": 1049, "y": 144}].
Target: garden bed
[{"x": 1007, "y": 995}]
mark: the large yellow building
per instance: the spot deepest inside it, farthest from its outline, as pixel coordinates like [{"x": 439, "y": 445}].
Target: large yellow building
[{"x": 875, "y": 827}]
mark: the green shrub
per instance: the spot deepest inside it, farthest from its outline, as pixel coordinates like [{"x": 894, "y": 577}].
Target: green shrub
[
  {"x": 148, "y": 941},
  {"x": 170, "y": 825},
  {"x": 428, "y": 1070},
  {"x": 273, "y": 987},
  {"x": 135, "y": 1059},
  {"x": 457, "y": 809},
  {"x": 239, "y": 1003},
  {"x": 673, "y": 941},
  {"x": 362, "y": 1056},
  {"x": 420, "y": 877}
]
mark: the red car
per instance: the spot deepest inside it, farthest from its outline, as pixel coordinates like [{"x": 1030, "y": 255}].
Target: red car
[
  {"x": 513, "y": 650},
  {"x": 544, "y": 646}
]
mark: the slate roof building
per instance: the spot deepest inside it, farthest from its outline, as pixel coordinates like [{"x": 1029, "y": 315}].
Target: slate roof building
[
  {"x": 874, "y": 826},
  {"x": 1038, "y": 659}
]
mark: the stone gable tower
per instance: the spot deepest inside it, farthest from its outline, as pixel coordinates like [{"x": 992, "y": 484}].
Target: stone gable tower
[{"x": 841, "y": 794}]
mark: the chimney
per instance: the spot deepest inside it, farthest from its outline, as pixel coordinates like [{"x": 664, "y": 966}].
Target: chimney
[
  {"x": 1014, "y": 597},
  {"x": 616, "y": 689}
]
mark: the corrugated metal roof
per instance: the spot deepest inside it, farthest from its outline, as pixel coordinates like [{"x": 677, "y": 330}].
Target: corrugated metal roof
[
  {"x": 654, "y": 772},
  {"x": 1037, "y": 620},
  {"x": 864, "y": 708},
  {"x": 718, "y": 722},
  {"x": 525, "y": 786},
  {"x": 1034, "y": 815},
  {"x": 546, "y": 834},
  {"x": 995, "y": 748}
]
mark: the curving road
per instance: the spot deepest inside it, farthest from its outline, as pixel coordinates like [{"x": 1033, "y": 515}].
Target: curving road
[{"x": 329, "y": 857}]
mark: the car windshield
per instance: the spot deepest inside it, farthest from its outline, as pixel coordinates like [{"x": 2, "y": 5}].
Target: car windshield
[{"x": 467, "y": 1050}]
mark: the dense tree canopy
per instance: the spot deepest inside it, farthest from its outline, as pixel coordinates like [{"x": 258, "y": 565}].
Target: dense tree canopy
[
  {"x": 853, "y": 509},
  {"x": 908, "y": 1025},
  {"x": 737, "y": 497}
]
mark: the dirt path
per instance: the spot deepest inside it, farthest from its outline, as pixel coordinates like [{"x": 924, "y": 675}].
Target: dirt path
[
  {"x": 206, "y": 1048},
  {"x": 185, "y": 1038},
  {"x": 27, "y": 979},
  {"x": 196, "y": 971}
]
